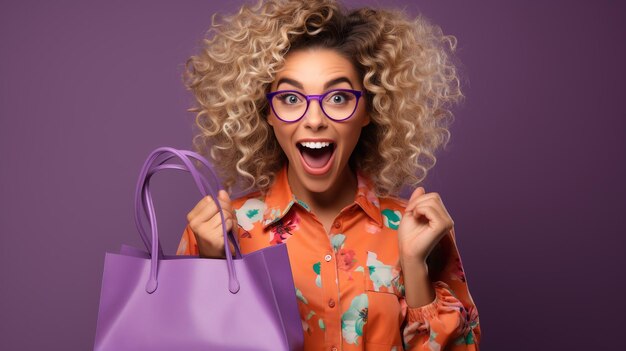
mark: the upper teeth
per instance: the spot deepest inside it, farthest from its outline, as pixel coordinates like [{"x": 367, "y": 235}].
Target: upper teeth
[{"x": 314, "y": 145}]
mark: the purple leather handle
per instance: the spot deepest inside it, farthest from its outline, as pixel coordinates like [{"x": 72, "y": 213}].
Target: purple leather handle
[
  {"x": 205, "y": 182},
  {"x": 142, "y": 231},
  {"x": 148, "y": 197},
  {"x": 143, "y": 200},
  {"x": 143, "y": 206}
]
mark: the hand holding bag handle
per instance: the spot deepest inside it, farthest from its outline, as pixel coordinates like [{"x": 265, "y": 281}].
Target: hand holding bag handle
[{"x": 142, "y": 197}]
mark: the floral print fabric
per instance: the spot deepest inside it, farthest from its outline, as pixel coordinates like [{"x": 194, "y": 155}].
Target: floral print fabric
[{"x": 349, "y": 284}]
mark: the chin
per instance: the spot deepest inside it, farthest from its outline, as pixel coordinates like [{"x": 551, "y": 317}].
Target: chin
[{"x": 317, "y": 187}]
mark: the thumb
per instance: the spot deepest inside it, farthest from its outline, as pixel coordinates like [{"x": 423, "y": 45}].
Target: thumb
[
  {"x": 416, "y": 193},
  {"x": 421, "y": 190}
]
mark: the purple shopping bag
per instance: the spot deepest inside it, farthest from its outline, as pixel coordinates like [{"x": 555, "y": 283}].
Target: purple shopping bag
[{"x": 156, "y": 302}]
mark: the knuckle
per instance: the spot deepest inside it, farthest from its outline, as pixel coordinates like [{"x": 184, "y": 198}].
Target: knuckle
[
  {"x": 193, "y": 225},
  {"x": 226, "y": 207}
]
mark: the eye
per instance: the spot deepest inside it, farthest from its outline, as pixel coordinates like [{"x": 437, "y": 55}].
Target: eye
[
  {"x": 288, "y": 98},
  {"x": 339, "y": 97}
]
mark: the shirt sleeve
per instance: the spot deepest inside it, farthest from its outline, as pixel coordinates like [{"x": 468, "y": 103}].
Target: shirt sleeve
[
  {"x": 444, "y": 324},
  {"x": 450, "y": 322},
  {"x": 188, "y": 244}
]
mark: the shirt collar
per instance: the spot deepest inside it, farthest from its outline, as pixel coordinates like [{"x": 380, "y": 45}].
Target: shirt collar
[{"x": 279, "y": 199}]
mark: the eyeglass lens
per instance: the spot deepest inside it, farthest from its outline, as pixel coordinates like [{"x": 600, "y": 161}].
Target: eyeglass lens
[{"x": 290, "y": 106}]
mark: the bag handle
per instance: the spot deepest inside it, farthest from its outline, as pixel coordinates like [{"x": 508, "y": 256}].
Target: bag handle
[
  {"x": 142, "y": 231},
  {"x": 148, "y": 195},
  {"x": 151, "y": 172},
  {"x": 143, "y": 200},
  {"x": 160, "y": 167}
]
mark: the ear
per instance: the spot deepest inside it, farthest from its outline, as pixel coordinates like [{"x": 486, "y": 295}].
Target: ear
[{"x": 270, "y": 118}]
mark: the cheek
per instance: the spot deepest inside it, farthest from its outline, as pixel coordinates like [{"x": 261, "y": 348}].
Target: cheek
[
  {"x": 283, "y": 138},
  {"x": 351, "y": 137}
]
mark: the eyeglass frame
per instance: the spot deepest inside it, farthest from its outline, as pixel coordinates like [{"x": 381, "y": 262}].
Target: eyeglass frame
[{"x": 318, "y": 97}]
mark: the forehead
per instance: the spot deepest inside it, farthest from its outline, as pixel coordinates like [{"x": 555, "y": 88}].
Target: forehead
[{"x": 314, "y": 67}]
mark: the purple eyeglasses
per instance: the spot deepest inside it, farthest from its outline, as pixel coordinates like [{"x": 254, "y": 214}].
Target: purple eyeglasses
[{"x": 291, "y": 105}]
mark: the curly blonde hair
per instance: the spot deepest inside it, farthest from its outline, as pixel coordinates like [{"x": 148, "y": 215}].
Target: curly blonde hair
[{"x": 406, "y": 67}]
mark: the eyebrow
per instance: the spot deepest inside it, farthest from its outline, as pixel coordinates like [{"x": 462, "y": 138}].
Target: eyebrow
[{"x": 297, "y": 84}]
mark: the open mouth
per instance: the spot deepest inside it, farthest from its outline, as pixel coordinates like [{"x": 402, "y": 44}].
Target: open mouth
[{"x": 316, "y": 154}]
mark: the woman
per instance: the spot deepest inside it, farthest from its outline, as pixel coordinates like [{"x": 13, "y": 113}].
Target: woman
[{"x": 326, "y": 114}]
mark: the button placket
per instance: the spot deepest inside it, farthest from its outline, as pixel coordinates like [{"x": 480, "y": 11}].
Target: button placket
[{"x": 331, "y": 291}]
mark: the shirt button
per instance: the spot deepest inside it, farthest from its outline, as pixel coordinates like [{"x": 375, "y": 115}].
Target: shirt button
[
  {"x": 328, "y": 258},
  {"x": 334, "y": 349},
  {"x": 337, "y": 225},
  {"x": 331, "y": 303}
]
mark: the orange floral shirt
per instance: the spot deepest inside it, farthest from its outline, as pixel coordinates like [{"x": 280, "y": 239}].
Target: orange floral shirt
[{"x": 349, "y": 283}]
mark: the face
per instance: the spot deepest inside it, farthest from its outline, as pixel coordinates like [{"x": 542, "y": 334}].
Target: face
[{"x": 318, "y": 148}]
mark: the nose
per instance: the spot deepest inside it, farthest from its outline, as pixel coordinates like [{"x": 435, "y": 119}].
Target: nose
[{"x": 314, "y": 117}]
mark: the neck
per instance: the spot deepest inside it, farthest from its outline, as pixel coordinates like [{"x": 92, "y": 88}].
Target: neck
[{"x": 330, "y": 202}]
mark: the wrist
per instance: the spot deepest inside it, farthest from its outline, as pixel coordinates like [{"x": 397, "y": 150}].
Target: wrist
[
  {"x": 415, "y": 265},
  {"x": 408, "y": 256}
]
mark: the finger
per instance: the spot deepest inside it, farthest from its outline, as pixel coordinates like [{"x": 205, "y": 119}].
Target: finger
[
  {"x": 224, "y": 201},
  {"x": 222, "y": 197},
  {"x": 430, "y": 198},
  {"x": 429, "y": 201},
  {"x": 235, "y": 227},
  {"x": 199, "y": 207},
  {"x": 209, "y": 211},
  {"x": 216, "y": 222},
  {"x": 436, "y": 218},
  {"x": 234, "y": 217},
  {"x": 229, "y": 224},
  {"x": 205, "y": 233},
  {"x": 205, "y": 209},
  {"x": 219, "y": 235},
  {"x": 434, "y": 200},
  {"x": 206, "y": 223},
  {"x": 417, "y": 193},
  {"x": 429, "y": 210},
  {"x": 225, "y": 204},
  {"x": 229, "y": 227},
  {"x": 228, "y": 215}
]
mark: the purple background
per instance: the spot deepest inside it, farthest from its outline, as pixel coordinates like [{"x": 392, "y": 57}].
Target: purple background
[{"x": 533, "y": 175}]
